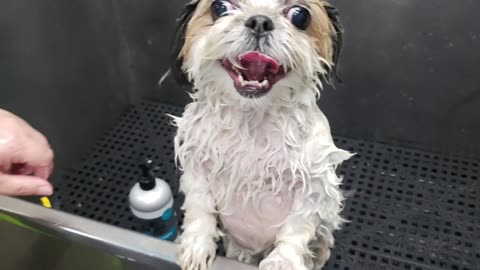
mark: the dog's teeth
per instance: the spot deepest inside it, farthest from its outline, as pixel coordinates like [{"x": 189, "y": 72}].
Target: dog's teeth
[
  {"x": 236, "y": 65},
  {"x": 242, "y": 81},
  {"x": 258, "y": 84},
  {"x": 236, "y": 70},
  {"x": 255, "y": 83}
]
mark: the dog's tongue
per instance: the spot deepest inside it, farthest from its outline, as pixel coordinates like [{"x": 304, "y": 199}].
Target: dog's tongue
[{"x": 257, "y": 66}]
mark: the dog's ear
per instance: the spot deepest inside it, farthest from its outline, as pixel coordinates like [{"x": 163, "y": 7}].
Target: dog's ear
[
  {"x": 179, "y": 42},
  {"x": 337, "y": 40}
]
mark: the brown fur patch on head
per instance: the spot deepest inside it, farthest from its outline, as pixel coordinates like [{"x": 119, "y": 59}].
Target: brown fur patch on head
[
  {"x": 321, "y": 30},
  {"x": 198, "y": 25}
]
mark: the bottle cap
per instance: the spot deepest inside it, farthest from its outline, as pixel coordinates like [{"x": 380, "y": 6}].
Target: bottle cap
[{"x": 147, "y": 181}]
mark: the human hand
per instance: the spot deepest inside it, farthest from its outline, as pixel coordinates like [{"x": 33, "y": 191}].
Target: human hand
[{"x": 26, "y": 159}]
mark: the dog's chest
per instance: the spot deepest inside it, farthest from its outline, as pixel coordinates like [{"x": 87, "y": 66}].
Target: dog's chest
[
  {"x": 255, "y": 159},
  {"x": 256, "y": 162},
  {"x": 253, "y": 225},
  {"x": 249, "y": 151}
]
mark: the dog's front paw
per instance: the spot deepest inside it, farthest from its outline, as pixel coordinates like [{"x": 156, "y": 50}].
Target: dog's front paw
[
  {"x": 196, "y": 253},
  {"x": 281, "y": 258}
]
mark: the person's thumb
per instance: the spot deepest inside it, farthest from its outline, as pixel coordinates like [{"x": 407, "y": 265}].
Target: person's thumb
[{"x": 21, "y": 185}]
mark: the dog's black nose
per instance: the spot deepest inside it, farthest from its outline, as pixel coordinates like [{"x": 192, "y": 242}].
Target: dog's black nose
[{"x": 260, "y": 24}]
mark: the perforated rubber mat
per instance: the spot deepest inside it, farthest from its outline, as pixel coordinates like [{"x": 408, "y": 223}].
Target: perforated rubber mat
[{"x": 408, "y": 209}]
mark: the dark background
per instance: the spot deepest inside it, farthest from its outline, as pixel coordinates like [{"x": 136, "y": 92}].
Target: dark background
[{"x": 409, "y": 69}]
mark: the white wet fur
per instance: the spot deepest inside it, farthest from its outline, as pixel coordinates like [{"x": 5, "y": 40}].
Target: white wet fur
[{"x": 258, "y": 173}]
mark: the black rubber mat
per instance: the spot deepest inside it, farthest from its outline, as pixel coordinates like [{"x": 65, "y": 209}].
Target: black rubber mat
[{"x": 408, "y": 209}]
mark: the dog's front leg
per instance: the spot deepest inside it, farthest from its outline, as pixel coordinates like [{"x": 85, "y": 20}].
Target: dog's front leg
[
  {"x": 316, "y": 215},
  {"x": 200, "y": 234},
  {"x": 291, "y": 248}
]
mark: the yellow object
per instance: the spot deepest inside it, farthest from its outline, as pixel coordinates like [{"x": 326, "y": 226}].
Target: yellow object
[{"x": 46, "y": 202}]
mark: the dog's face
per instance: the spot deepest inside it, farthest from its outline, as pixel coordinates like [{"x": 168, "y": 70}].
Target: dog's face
[{"x": 249, "y": 49}]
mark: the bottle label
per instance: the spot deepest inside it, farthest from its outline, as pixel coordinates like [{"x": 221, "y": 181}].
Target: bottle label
[{"x": 164, "y": 228}]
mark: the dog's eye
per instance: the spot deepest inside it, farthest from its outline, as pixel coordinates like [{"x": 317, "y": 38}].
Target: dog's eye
[
  {"x": 299, "y": 16},
  {"x": 220, "y": 8}
]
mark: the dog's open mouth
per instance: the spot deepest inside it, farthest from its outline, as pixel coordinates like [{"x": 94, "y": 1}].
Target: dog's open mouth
[{"x": 255, "y": 75}]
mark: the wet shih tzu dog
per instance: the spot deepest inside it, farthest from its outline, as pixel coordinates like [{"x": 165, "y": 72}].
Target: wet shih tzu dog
[{"x": 256, "y": 152}]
